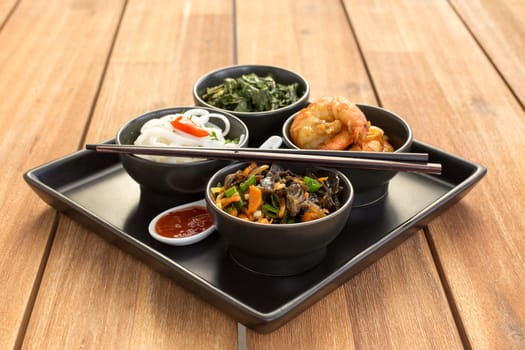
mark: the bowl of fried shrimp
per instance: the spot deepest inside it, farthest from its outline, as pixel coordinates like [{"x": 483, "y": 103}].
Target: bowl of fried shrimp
[
  {"x": 261, "y": 96},
  {"x": 278, "y": 220},
  {"x": 179, "y": 126},
  {"x": 335, "y": 123}
]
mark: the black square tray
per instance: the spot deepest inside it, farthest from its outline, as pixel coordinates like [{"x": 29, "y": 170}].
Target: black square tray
[{"x": 95, "y": 190}]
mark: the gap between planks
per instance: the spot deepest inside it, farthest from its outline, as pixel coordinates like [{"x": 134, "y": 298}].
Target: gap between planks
[
  {"x": 36, "y": 285},
  {"x": 487, "y": 55},
  {"x": 9, "y": 15},
  {"x": 241, "y": 336},
  {"x": 98, "y": 89},
  {"x": 361, "y": 54},
  {"x": 448, "y": 291},
  {"x": 45, "y": 258}
]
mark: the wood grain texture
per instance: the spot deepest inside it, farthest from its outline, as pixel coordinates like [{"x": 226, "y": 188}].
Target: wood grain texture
[
  {"x": 499, "y": 27},
  {"x": 416, "y": 305},
  {"x": 47, "y": 78},
  {"x": 397, "y": 303},
  {"x": 452, "y": 96},
  {"x": 112, "y": 300},
  {"x": 313, "y": 38},
  {"x": 453, "y": 69},
  {"x": 96, "y": 296},
  {"x": 6, "y": 7},
  {"x": 159, "y": 54}
]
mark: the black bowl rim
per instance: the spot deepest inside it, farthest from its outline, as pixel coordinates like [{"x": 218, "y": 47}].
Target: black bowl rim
[
  {"x": 172, "y": 110},
  {"x": 346, "y": 206},
  {"x": 304, "y": 97},
  {"x": 403, "y": 122}
]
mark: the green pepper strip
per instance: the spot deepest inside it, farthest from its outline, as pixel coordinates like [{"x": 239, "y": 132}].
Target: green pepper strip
[
  {"x": 239, "y": 204},
  {"x": 270, "y": 210},
  {"x": 246, "y": 184},
  {"x": 230, "y": 191},
  {"x": 229, "y": 209},
  {"x": 312, "y": 184}
]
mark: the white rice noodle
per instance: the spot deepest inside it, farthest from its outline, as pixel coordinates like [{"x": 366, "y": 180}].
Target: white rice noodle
[
  {"x": 159, "y": 132},
  {"x": 225, "y": 121},
  {"x": 200, "y": 116}
]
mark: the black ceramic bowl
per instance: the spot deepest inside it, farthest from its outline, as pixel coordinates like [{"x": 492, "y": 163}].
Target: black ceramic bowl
[
  {"x": 169, "y": 178},
  {"x": 280, "y": 249},
  {"x": 371, "y": 186},
  {"x": 261, "y": 124}
]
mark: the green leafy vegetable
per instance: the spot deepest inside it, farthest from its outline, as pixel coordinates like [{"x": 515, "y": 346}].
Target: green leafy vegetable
[{"x": 251, "y": 93}]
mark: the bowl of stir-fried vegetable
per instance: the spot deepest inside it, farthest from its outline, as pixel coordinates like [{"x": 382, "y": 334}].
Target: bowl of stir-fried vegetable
[
  {"x": 278, "y": 221},
  {"x": 261, "y": 96}
]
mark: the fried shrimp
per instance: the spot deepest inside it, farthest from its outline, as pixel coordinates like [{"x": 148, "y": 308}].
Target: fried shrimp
[
  {"x": 376, "y": 141},
  {"x": 330, "y": 123}
]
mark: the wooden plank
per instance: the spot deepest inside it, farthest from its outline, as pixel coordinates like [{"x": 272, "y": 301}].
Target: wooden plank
[
  {"x": 112, "y": 300},
  {"x": 500, "y": 29},
  {"x": 47, "y": 78},
  {"x": 295, "y": 41},
  {"x": 161, "y": 52},
  {"x": 6, "y": 7},
  {"x": 399, "y": 302},
  {"x": 94, "y": 295},
  {"x": 453, "y": 97}
]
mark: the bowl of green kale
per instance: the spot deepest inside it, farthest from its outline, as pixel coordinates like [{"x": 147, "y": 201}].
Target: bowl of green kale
[{"x": 262, "y": 96}]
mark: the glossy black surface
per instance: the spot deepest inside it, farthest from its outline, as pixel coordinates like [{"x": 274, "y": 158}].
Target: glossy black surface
[{"x": 94, "y": 189}]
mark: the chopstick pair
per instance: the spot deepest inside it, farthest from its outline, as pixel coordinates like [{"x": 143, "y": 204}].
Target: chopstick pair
[{"x": 412, "y": 162}]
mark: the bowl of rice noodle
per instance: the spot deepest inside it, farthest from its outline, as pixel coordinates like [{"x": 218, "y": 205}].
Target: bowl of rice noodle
[{"x": 179, "y": 126}]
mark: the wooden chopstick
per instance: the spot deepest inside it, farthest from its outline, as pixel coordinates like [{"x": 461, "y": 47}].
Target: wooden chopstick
[{"x": 269, "y": 155}]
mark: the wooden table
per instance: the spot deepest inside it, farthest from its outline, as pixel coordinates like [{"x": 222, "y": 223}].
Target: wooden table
[{"x": 73, "y": 71}]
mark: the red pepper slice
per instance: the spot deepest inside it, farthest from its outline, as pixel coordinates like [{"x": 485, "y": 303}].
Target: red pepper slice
[{"x": 188, "y": 127}]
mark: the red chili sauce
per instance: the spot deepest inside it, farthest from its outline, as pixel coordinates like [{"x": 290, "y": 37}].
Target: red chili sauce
[{"x": 184, "y": 223}]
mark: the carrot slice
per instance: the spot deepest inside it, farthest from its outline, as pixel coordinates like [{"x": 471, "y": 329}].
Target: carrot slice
[
  {"x": 255, "y": 201},
  {"x": 313, "y": 215},
  {"x": 249, "y": 168},
  {"x": 246, "y": 214},
  {"x": 282, "y": 208},
  {"x": 225, "y": 201},
  {"x": 263, "y": 221},
  {"x": 243, "y": 216}
]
